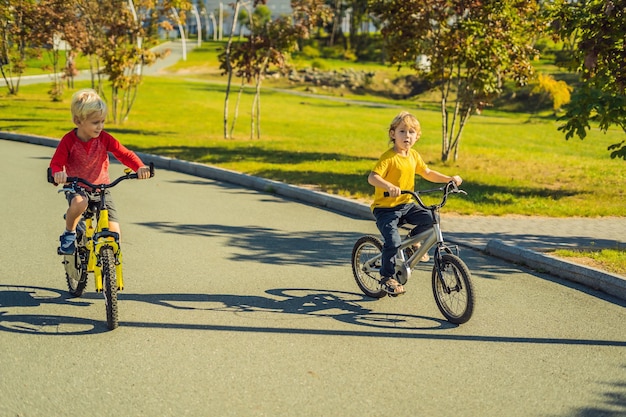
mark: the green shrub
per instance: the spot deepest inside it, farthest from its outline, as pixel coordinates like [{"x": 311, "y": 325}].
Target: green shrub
[{"x": 311, "y": 52}]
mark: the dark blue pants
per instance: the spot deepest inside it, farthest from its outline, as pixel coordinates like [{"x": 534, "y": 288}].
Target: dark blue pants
[{"x": 388, "y": 220}]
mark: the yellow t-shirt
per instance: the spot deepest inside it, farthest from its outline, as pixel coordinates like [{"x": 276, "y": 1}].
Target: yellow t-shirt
[{"x": 399, "y": 170}]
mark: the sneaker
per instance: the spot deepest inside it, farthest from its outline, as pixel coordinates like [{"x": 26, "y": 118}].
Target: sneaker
[{"x": 68, "y": 243}]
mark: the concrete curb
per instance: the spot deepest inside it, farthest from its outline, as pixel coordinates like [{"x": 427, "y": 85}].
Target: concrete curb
[
  {"x": 591, "y": 277},
  {"x": 317, "y": 198}
]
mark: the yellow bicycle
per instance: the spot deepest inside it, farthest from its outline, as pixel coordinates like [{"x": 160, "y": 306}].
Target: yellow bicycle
[{"x": 97, "y": 248}]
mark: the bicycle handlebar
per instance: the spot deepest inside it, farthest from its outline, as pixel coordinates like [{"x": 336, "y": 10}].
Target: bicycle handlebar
[
  {"x": 76, "y": 180},
  {"x": 449, "y": 188}
]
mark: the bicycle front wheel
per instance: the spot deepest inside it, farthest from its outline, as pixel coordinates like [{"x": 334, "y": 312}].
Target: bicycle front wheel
[
  {"x": 107, "y": 257},
  {"x": 367, "y": 276},
  {"x": 453, "y": 289}
]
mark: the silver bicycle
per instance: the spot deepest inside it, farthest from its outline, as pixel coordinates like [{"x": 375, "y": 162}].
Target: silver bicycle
[{"x": 451, "y": 278}]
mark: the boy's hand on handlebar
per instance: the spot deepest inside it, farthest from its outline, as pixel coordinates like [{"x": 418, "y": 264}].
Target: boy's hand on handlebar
[
  {"x": 393, "y": 190},
  {"x": 457, "y": 180},
  {"x": 60, "y": 177},
  {"x": 143, "y": 172}
]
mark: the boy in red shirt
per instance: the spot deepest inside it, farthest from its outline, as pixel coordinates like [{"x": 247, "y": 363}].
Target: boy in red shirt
[{"x": 83, "y": 152}]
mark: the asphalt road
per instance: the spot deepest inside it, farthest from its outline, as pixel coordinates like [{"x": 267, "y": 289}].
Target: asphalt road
[{"x": 240, "y": 303}]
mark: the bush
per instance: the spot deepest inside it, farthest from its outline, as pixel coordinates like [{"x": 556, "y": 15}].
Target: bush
[
  {"x": 311, "y": 52},
  {"x": 319, "y": 64}
]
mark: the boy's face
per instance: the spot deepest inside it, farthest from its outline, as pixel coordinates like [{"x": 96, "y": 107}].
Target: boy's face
[
  {"x": 90, "y": 127},
  {"x": 404, "y": 137}
]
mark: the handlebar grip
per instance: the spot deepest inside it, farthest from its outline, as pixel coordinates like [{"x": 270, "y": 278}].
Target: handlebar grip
[
  {"x": 51, "y": 177},
  {"x": 386, "y": 193},
  {"x": 151, "y": 169}
]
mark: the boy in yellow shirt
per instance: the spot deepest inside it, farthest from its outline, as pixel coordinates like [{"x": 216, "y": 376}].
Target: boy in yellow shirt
[{"x": 395, "y": 171}]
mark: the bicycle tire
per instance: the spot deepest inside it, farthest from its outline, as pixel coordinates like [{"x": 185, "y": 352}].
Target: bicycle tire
[
  {"x": 457, "y": 305},
  {"x": 109, "y": 281},
  {"x": 76, "y": 271},
  {"x": 364, "y": 249}
]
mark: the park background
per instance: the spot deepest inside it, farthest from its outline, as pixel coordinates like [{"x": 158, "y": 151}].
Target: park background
[{"x": 327, "y": 137}]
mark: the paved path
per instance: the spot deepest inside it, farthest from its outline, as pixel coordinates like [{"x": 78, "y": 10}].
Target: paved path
[
  {"x": 538, "y": 233},
  {"x": 242, "y": 303},
  {"x": 175, "y": 55}
]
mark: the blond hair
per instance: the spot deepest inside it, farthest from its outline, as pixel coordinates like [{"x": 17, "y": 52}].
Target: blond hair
[
  {"x": 87, "y": 102},
  {"x": 409, "y": 120}
]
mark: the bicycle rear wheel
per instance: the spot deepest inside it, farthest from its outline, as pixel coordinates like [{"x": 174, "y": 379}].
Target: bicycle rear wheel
[
  {"x": 453, "y": 289},
  {"x": 76, "y": 270},
  {"x": 367, "y": 279},
  {"x": 107, "y": 257}
]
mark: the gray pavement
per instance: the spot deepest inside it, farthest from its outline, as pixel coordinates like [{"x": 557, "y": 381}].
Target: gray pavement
[
  {"x": 242, "y": 303},
  {"x": 518, "y": 239}
]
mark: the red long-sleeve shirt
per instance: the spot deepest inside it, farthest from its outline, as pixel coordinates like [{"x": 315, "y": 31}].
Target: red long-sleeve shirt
[{"x": 90, "y": 160}]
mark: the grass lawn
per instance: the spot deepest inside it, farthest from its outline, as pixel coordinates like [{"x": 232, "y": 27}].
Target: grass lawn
[
  {"x": 512, "y": 163},
  {"x": 611, "y": 260}
]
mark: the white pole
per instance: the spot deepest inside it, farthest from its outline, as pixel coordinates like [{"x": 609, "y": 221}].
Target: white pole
[
  {"x": 194, "y": 10},
  {"x": 182, "y": 33},
  {"x": 221, "y": 27},
  {"x": 212, "y": 16},
  {"x": 139, "y": 38}
]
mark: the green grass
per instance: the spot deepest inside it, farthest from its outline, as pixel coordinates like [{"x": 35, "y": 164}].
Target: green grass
[
  {"x": 612, "y": 260},
  {"x": 512, "y": 163}
]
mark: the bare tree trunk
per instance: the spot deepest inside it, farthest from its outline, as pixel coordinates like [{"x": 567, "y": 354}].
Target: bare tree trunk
[
  {"x": 252, "y": 116},
  {"x": 457, "y": 140},
  {"x": 336, "y": 21},
  {"x": 256, "y": 105},
  {"x": 229, "y": 68},
  {"x": 232, "y": 126},
  {"x": 258, "y": 109}
]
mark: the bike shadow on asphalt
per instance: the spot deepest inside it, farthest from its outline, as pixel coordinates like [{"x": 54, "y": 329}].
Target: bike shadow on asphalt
[
  {"x": 19, "y": 297},
  {"x": 343, "y": 306},
  {"x": 346, "y": 307}
]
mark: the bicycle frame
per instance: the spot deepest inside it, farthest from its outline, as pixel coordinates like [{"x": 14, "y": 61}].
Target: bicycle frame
[{"x": 427, "y": 239}]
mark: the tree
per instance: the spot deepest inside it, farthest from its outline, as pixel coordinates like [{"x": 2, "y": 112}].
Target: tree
[
  {"x": 226, "y": 65},
  {"x": 54, "y": 27},
  {"x": 473, "y": 47},
  {"x": 594, "y": 31},
  {"x": 269, "y": 43},
  {"x": 14, "y": 38},
  {"x": 120, "y": 34}
]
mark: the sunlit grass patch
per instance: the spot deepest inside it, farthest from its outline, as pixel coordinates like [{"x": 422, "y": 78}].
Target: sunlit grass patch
[{"x": 612, "y": 260}]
